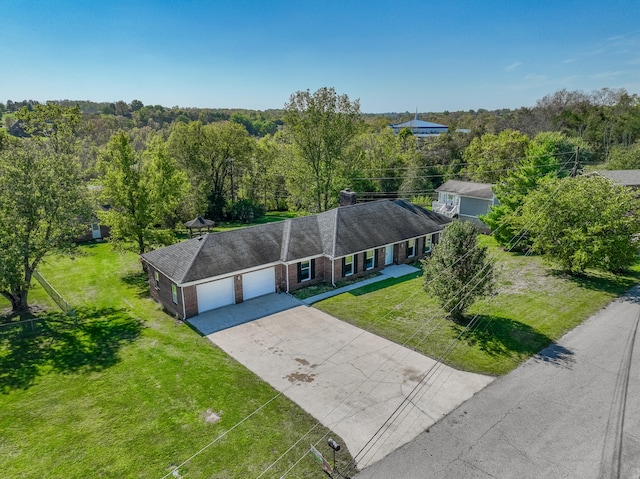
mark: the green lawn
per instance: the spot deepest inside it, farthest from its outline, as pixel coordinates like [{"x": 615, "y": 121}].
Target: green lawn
[
  {"x": 535, "y": 305},
  {"x": 127, "y": 391}
]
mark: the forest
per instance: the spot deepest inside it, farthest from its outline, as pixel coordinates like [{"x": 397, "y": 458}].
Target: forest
[{"x": 225, "y": 163}]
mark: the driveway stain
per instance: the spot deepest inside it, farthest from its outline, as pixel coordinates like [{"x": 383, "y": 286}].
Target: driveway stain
[
  {"x": 412, "y": 374},
  {"x": 300, "y": 377}
]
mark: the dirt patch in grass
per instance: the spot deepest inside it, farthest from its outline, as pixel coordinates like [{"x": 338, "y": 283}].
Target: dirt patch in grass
[{"x": 210, "y": 416}]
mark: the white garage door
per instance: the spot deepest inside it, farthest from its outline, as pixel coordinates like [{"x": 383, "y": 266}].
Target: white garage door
[
  {"x": 258, "y": 283},
  {"x": 215, "y": 294}
]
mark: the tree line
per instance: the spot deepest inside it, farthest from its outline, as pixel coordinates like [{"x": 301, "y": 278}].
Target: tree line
[{"x": 156, "y": 172}]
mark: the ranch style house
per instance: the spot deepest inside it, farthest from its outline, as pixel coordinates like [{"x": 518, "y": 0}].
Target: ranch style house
[{"x": 224, "y": 268}]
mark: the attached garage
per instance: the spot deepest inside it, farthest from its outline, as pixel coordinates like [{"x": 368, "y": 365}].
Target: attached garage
[
  {"x": 215, "y": 294},
  {"x": 258, "y": 283}
]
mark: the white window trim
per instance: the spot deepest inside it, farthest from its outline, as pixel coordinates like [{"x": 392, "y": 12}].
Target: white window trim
[
  {"x": 413, "y": 248},
  {"x": 174, "y": 293},
  {"x": 348, "y": 263},
  {"x": 308, "y": 268},
  {"x": 373, "y": 259},
  {"x": 430, "y": 239},
  {"x": 156, "y": 280}
]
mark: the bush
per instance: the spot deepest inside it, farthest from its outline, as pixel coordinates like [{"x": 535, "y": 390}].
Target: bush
[{"x": 246, "y": 211}]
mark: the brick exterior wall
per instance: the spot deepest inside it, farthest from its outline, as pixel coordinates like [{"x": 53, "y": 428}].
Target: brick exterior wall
[
  {"x": 281, "y": 278},
  {"x": 190, "y": 301},
  {"x": 360, "y": 271},
  {"x": 237, "y": 288},
  {"x": 322, "y": 274},
  {"x": 162, "y": 293}
]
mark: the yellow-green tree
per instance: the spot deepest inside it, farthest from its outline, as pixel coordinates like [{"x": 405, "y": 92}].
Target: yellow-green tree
[{"x": 321, "y": 126}]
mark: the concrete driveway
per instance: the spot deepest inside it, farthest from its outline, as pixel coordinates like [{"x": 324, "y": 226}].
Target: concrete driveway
[{"x": 349, "y": 380}]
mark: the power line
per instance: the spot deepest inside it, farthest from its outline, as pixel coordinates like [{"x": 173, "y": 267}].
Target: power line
[
  {"x": 472, "y": 324},
  {"x": 515, "y": 161},
  {"x": 281, "y": 393}
]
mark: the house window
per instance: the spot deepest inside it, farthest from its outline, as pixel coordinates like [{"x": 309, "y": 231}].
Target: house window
[
  {"x": 347, "y": 265},
  {"x": 156, "y": 278},
  {"x": 369, "y": 259},
  {"x": 411, "y": 248},
  {"x": 174, "y": 293},
  {"x": 450, "y": 199},
  {"x": 427, "y": 244},
  {"x": 305, "y": 271}
]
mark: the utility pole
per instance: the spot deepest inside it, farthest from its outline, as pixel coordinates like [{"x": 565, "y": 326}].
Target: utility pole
[
  {"x": 574, "y": 170},
  {"x": 233, "y": 192}
]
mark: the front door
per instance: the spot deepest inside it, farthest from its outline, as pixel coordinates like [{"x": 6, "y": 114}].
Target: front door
[
  {"x": 388, "y": 254},
  {"x": 95, "y": 231}
]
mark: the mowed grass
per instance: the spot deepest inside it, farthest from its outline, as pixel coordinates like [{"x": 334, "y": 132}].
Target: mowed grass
[
  {"x": 535, "y": 305},
  {"x": 128, "y": 390}
]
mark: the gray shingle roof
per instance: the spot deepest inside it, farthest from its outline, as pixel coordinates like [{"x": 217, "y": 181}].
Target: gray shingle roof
[
  {"x": 335, "y": 233},
  {"x": 467, "y": 188},
  {"x": 623, "y": 177}
]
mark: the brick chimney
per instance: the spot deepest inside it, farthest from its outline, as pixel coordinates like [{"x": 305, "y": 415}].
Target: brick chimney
[{"x": 347, "y": 197}]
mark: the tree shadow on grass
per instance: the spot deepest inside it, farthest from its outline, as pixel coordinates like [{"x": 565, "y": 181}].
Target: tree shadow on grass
[
  {"x": 54, "y": 342},
  {"x": 606, "y": 282},
  {"x": 504, "y": 337},
  {"x": 139, "y": 282}
]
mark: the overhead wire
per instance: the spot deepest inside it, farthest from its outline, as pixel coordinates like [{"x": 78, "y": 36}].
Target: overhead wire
[
  {"x": 215, "y": 440},
  {"x": 409, "y": 398},
  {"x": 406, "y": 342}
]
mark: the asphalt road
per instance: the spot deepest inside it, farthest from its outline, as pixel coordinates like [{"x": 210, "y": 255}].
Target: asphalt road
[{"x": 571, "y": 412}]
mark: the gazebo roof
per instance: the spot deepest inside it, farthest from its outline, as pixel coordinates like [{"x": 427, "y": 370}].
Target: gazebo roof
[{"x": 199, "y": 222}]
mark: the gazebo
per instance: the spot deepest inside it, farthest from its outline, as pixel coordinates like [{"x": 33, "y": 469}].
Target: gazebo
[{"x": 199, "y": 223}]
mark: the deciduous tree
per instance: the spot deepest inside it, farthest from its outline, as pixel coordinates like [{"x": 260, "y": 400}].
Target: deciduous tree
[
  {"x": 549, "y": 154},
  {"x": 321, "y": 125},
  {"x": 167, "y": 184},
  {"x": 583, "y": 222},
  {"x": 42, "y": 205},
  {"x": 490, "y": 156},
  {"x": 214, "y": 156},
  {"x": 125, "y": 188}
]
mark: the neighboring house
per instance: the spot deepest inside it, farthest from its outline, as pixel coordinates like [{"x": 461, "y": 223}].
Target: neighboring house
[
  {"x": 630, "y": 178},
  {"x": 464, "y": 199},
  {"x": 419, "y": 128},
  {"x": 218, "y": 269},
  {"x": 96, "y": 230}
]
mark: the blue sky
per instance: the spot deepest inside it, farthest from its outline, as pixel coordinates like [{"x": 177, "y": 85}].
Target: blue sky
[{"x": 393, "y": 56}]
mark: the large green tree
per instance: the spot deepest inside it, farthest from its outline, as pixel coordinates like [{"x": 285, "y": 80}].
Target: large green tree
[
  {"x": 321, "y": 126},
  {"x": 167, "y": 184},
  {"x": 59, "y": 125},
  {"x": 459, "y": 271},
  {"x": 490, "y": 156},
  {"x": 549, "y": 154},
  {"x": 583, "y": 222},
  {"x": 125, "y": 188},
  {"x": 42, "y": 204},
  {"x": 214, "y": 157}
]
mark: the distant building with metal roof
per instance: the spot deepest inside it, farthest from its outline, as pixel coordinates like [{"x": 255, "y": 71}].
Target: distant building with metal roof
[{"x": 419, "y": 128}]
